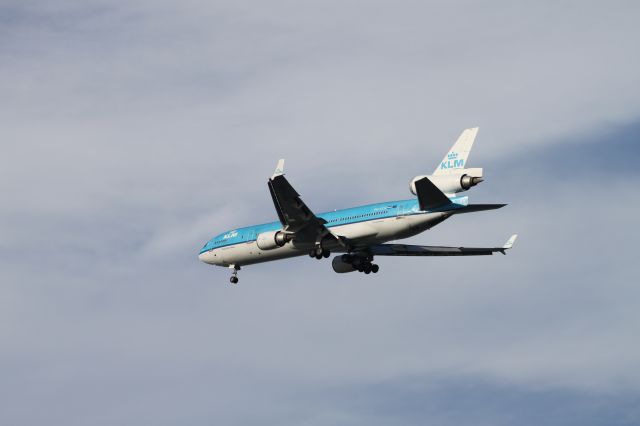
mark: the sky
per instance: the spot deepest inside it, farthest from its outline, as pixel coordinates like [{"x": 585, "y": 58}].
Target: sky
[{"x": 132, "y": 132}]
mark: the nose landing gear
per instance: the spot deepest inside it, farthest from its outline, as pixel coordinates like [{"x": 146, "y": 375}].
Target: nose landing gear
[{"x": 234, "y": 274}]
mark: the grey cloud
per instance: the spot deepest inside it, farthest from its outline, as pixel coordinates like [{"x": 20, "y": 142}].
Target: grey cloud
[
  {"x": 132, "y": 133},
  {"x": 465, "y": 400}
]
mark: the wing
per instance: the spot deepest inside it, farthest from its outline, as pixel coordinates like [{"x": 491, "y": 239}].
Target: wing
[
  {"x": 409, "y": 250},
  {"x": 292, "y": 211},
  {"x": 295, "y": 216}
]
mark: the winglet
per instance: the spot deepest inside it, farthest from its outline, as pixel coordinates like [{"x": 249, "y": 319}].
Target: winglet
[
  {"x": 279, "y": 168},
  {"x": 509, "y": 243}
]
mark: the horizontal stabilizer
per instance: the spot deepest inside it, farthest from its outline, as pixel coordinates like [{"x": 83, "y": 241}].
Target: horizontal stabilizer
[
  {"x": 478, "y": 208},
  {"x": 429, "y": 196}
]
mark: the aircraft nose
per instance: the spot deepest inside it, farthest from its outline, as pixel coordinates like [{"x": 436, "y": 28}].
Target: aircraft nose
[{"x": 208, "y": 257}]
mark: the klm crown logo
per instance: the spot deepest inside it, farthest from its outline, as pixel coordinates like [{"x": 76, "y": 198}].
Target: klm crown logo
[{"x": 452, "y": 162}]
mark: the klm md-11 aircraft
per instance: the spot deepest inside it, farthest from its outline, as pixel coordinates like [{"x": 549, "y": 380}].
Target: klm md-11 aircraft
[{"x": 359, "y": 233}]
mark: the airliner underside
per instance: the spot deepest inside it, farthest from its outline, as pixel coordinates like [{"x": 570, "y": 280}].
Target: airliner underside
[{"x": 359, "y": 233}]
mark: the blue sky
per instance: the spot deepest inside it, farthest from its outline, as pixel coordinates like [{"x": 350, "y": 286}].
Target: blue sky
[{"x": 134, "y": 132}]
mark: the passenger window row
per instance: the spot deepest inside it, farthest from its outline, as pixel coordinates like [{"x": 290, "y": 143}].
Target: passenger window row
[{"x": 355, "y": 217}]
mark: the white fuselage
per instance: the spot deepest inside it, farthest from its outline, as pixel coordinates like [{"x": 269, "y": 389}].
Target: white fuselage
[{"x": 360, "y": 234}]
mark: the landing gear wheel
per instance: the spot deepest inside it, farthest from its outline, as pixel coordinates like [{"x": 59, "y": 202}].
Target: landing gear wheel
[
  {"x": 318, "y": 252},
  {"x": 234, "y": 274},
  {"x": 375, "y": 268},
  {"x": 367, "y": 268}
]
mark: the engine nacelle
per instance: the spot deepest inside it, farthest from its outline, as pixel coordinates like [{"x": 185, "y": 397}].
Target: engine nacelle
[
  {"x": 342, "y": 264},
  {"x": 272, "y": 239},
  {"x": 453, "y": 183}
]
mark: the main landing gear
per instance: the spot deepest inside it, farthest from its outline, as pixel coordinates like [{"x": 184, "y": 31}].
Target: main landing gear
[
  {"x": 318, "y": 252},
  {"x": 234, "y": 274},
  {"x": 368, "y": 268},
  {"x": 365, "y": 265},
  {"x": 361, "y": 262}
]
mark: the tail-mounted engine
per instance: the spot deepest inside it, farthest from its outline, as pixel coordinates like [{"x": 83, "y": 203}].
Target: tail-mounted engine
[
  {"x": 451, "y": 183},
  {"x": 272, "y": 239}
]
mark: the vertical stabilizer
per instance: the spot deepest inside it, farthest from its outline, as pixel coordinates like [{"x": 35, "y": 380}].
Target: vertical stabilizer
[{"x": 456, "y": 158}]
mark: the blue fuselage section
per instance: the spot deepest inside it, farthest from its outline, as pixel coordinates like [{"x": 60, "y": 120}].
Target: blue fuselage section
[{"x": 354, "y": 215}]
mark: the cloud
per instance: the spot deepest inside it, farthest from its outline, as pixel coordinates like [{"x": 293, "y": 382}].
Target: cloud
[
  {"x": 465, "y": 400},
  {"x": 134, "y": 132}
]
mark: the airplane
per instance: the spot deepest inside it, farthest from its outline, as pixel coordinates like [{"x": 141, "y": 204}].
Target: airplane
[{"x": 360, "y": 233}]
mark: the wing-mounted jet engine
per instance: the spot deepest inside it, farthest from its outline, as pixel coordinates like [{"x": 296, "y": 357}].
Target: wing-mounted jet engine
[
  {"x": 272, "y": 239},
  {"x": 451, "y": 176}
]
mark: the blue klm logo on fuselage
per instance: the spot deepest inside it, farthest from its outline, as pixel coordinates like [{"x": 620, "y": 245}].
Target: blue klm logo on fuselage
[
  {"x": 452, "y": 162},
  {"x": 230, "y": 234}
]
